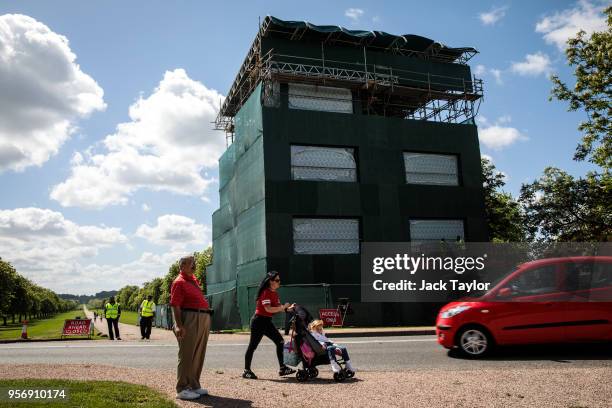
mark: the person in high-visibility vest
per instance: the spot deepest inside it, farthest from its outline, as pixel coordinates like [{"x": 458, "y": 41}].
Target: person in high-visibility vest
[
  {"x": 112, "y": 312},
  {"x": 147, "y": 313}
]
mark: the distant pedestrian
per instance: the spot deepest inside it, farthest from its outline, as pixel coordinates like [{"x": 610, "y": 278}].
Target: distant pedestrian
[
  {"x": 147, "y": 313},
  {"x": 112, "y": 312},
  {"x": 191, "y": 327}
]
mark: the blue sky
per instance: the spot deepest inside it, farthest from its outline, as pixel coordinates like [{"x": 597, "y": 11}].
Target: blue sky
[{"x": 87, "y": 109}]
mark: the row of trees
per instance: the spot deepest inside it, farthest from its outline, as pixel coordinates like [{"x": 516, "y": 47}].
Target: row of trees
[
  {"x": 21, "y": 299},
  {"x": 558, "y": 206},
  {"x": 131, "y": 296}
]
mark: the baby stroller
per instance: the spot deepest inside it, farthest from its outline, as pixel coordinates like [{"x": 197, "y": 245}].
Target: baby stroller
[{"x": 309, "y": 351}]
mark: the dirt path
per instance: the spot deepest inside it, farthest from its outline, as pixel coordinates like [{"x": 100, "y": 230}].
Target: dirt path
[
  {"x": 563, "y": 387},
  {"x": 130, "y": 332}
]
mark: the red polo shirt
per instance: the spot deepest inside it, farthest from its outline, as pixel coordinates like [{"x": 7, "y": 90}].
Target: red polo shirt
[
  {"x": 268, "y": 298},
  {"x": 186, "y": 293}
]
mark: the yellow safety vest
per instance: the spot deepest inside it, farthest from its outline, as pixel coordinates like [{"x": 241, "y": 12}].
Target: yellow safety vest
[
  {"x": 147, "y": 309},
  {"x": 112, "y": 311}
]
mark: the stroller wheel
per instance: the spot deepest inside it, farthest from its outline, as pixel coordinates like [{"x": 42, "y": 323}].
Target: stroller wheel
[
  {"x": 313, "y": 372},
  {"x": 339, "y": 376},
  {"x": 301, "y": 375}
]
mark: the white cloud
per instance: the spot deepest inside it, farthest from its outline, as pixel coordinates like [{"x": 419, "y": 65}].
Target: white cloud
[
  {"x": 42, "y": 92},
  {"x": 481, "y": 71},
  {"x": 45, "y": 246},
  {"x": 145, "y": 207},
  {"x": 504, "y": 119},
  {"x": 175, "y": 231},
  {"x": 497, "y": 136},
  {"x": 92, "y": 278},
  {"x": 493, "y": 16},
  {"x": 482, "y": 120},
  {"x": 533, "y": 65},
  {"x": 56, "y": 252},
  {"x": 562, "y": 25},
  {"x": 354, "y": 14},
  {"x": 165, "y": 147},
  {"x": 497, "y": 74}
]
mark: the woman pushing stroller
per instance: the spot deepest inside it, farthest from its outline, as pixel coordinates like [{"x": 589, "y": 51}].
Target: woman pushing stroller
[
  {"x": 316, "y": 329},
  {"x": 267, "y": 304}
]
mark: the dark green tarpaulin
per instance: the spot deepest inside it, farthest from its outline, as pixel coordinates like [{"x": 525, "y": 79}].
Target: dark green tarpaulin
[{"x": 376, "y": 39}]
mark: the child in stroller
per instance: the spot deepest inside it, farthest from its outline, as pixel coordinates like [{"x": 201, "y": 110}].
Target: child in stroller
[
  {"x": 316, "y": 329},
  {"x": 310, "y": 351}
]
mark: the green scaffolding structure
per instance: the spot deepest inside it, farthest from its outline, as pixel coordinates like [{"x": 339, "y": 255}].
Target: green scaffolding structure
[
  {"x": 369, "y": 96},
  {"x": 239, "y": 239},
  {"x": 239, "y": 230}
]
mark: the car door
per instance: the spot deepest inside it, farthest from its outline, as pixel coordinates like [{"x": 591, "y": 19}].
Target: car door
[
  {"x": 534, "y": 311},
  {"x": 589, "y": 283}
]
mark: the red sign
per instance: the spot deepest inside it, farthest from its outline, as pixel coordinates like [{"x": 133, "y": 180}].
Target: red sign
[
  {"x": 79, "y": 327},
  {"x": 330, "y": 317}
]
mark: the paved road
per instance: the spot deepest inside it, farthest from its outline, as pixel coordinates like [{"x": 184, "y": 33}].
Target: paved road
[{"x": 369, "y": 354}]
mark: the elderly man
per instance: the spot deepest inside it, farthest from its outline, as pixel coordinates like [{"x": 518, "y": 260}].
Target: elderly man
[{"x": 191, "y": 328}]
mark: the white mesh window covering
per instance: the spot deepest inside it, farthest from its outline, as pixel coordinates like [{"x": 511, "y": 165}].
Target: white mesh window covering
[
  {"x": 436, "y": 230},
  {"x": 325, "y": 236},
  {"x": 426, "y": 168},
  {"x": 323, "y": 163},
  {"x": 320, "y": 98}
]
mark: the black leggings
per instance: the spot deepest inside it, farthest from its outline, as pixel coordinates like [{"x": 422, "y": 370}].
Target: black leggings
[{"x": 260, "y": 326}]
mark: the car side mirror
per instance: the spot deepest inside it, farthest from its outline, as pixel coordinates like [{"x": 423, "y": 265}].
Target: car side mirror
[{"x": 504, "y": 293}]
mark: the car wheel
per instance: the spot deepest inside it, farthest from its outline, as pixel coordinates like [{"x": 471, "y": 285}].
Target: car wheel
[{"x": 474, "y": 342}]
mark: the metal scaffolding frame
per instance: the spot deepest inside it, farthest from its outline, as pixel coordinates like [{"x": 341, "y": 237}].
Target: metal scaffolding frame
[{"x": 380, "y": 90}]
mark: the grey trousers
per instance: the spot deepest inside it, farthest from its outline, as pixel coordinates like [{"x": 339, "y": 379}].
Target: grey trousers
[{"x": 192, "y": 350}]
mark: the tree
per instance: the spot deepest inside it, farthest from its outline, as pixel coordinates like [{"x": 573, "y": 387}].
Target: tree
[
  {"x": 22, "y": 300},
  {"x": 203, "y": 259},
  {"x": 592, "y": 59},
  {"x": 95, "y": 304},
  {"x": 124, "y": 295},
  {"x": 559, "y": 207},
  {"x": 503, "y": 213},
  {"x": 173, "y": 271},
  {"x": 8, "y": 279},
  {"x": 154, "y": 288}
]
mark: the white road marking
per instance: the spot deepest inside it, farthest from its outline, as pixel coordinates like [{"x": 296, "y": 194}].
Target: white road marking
[{"x": 141, "y": 345}]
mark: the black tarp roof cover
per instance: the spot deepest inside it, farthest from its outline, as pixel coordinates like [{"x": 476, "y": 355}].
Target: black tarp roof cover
[{"x": 373, "y": 39}]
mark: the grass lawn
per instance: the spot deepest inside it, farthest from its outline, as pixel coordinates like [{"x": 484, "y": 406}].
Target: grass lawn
[
  {"x": 127, "y": 316},
  {"x": 50, "y": 328},
  {"x": 95, "y": 394}
]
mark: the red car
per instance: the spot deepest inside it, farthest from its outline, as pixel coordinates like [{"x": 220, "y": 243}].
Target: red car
[{"x": 556, "y": 300}]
